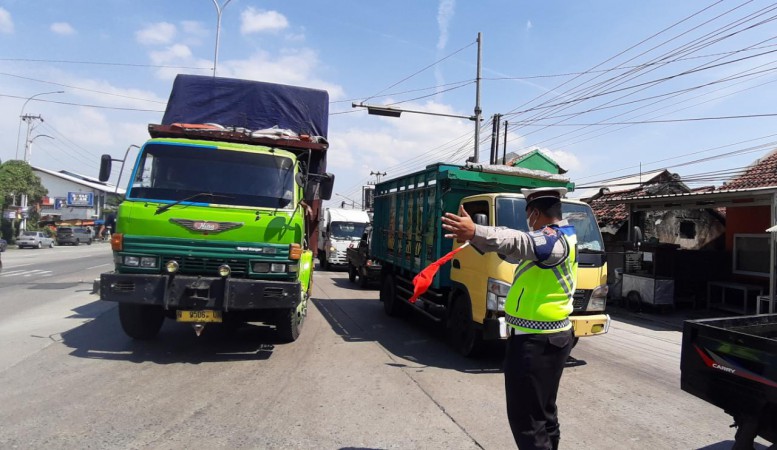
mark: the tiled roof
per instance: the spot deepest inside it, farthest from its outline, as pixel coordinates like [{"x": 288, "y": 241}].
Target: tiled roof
[
  {"x": 762, "y": 173},
  {"x": 610, "y": 213}
]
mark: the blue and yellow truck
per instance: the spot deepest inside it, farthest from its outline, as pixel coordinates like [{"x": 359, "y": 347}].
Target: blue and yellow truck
[
  {"x": 468, "y": 294},
  {"x": 218, "y": 223}
]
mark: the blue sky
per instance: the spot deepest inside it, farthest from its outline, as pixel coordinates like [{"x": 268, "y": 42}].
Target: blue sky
[{"x": 115, "y": 60}]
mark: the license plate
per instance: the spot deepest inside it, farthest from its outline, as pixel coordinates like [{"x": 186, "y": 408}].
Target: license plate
[{"x": 198, "y": 316}]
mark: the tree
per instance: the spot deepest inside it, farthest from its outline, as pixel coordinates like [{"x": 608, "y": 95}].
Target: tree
[{"x": 17, "y": 178}]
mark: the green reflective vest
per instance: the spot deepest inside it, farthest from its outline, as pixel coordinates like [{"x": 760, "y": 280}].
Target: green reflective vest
[{"x": 540, "y": 299}]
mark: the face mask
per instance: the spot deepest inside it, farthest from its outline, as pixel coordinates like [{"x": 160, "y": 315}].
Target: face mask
[{"x": 528, "y": 220}]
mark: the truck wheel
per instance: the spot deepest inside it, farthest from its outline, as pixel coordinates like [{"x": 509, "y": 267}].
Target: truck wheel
[
  {"x": 351, "y": 273},
  {"x": 89, "y": 242},
  {"x": 388, "y": 295},
  {"x": 288, "y": 322},
  {"x": 51, "y": 244},
  {"x": 40, "y": 245},
  {"x": 462, "y": 333},
  {"x": 141, "y": 322}
]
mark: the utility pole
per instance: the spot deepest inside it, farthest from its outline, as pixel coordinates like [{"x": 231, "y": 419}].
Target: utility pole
[
  {"x": 504, "y": 150},
  {"x": 377, "y": 175},
  {"x": 478, "y": 111},
  {"x": 27, "y": 153}
]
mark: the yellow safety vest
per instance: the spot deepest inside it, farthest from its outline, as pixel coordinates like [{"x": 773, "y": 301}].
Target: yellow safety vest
[{"x": 540, "y": 299}]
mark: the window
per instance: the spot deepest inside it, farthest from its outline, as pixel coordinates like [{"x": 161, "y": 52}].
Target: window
[
  {"x": 477, "y": 207},
  {"x": 687, "y": 229},
  {"x": 751, "y": 254}
]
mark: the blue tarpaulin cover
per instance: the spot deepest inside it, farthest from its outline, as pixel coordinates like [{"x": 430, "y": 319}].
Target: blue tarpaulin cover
[{"x": 253, "y": 105}]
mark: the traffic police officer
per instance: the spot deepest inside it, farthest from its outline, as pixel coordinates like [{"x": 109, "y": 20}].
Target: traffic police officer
[{"x": 537, "y": 310}]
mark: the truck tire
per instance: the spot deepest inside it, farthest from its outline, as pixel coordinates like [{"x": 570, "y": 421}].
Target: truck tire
[
  {"x": 141, "y": 322},
  {"x": 288, "y": 321},
  {"x": 463, "y": 335},
  {"x": 351, "y": 273},
  {"x": 40, "y": 244},
  {"x": 393, "y": 306}
]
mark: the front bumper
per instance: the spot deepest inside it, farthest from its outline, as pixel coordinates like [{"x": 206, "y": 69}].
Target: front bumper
[
  {"x": 192, "y": 292},
  {"x": 590, "y": 325}
]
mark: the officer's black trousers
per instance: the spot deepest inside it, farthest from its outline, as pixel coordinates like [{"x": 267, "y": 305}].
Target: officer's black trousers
[{"x": 533, "y": 366}]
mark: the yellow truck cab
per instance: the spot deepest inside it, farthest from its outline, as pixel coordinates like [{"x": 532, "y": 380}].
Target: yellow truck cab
[{"x": 486, "y": 278}]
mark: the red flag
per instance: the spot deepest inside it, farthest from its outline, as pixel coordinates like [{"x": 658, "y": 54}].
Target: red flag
[{"x": 423, "y": 280}]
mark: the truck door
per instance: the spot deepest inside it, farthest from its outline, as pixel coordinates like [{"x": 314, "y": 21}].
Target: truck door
[{"x": 468, "y": 266}]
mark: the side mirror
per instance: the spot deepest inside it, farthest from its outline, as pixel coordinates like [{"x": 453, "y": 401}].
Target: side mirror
[
  {"x": 326, "y": 185},
  {"x": 105, "y": 167},
  {"x": 481, "y": 219},
  {"x": 299, "y": 178}
]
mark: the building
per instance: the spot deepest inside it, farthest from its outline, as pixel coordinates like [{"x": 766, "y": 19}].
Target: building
[{"x": 73, "y": 198}]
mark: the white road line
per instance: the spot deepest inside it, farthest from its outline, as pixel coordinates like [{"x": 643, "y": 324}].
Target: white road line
[
  {"x": 20, "y": 265},
  {"x": 101, "y": 265}
]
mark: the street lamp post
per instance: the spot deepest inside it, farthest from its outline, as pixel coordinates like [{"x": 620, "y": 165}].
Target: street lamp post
[
  {"x": 389, "y": 111},
  {"x": 219, "y": 10},
  {"x": 21, "y": 114}
]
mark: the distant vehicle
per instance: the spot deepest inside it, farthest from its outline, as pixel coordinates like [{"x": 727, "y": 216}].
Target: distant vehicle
[
  {"x": 34, "y": 239},
  {"x": 3, "y": 245},
  {"x": 73, "y": 236},
  {"x": 338, "y": 229}
]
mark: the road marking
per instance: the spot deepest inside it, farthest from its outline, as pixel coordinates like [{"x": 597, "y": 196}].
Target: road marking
[
  {"x": 27, "y": 273},
  {"x": 20, "y": 265},
  {"x": 101, "y": 265}
]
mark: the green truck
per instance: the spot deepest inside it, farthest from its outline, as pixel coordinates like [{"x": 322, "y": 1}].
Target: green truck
[
  {"x": 468, "y": 294},
  {"x": 218, "y": 222}
]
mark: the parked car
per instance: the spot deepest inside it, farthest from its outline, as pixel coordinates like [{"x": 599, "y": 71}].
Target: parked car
[
  {"x": 34, "y": 239},
  {"x": 3, "y": 245},
  {"x": 73, "y": 236}
]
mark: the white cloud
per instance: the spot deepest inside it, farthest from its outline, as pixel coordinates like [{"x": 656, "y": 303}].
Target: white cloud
[
  {"x": 194, "y": 28},
  {"x": 62, "y": 28},
  {"x": 445, "y": 13},
  {"x": 257, "y": 21},
  {"x": 160, "y": 33},
  {"x": 295, "y": 67},
  {"x": 529, "y": 25},
  {"x": 6, "y": 23},
  {"x": 564, "y": 159}
]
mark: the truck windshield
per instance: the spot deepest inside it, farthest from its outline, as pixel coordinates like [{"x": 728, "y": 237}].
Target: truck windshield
[
  {"x": 347, "y": 230},
  {"x": 511, "y": 213},
  {"x": 175, "y": 172}
]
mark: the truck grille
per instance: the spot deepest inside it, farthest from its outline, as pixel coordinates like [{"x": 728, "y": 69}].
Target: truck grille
[
  {"x": 580, "y": 299},
  {"x": 208, "y": 266}
]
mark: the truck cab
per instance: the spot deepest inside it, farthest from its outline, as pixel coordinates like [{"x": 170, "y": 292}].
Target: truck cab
[
  {"x": 339, "y": 229},
  {"x": 486, "y": 278}
]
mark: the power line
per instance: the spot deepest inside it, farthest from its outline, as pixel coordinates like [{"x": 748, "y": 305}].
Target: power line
[{"x": 102, "y": 63}]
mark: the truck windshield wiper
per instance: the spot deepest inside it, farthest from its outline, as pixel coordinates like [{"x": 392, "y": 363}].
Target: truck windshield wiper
[{"x": 165, "y": 207}]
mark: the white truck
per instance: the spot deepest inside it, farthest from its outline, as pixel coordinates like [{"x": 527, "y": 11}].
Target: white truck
[{"x": 339, "y": 228}]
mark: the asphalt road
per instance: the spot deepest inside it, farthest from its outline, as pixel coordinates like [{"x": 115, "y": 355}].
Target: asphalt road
[{"x": 69, "y": 377}]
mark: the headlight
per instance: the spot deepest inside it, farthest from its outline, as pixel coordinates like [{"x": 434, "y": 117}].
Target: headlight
[
  {"x": 277, "y": 268},
  {"x": 496, "y": 294},
  {"x": 332, "y": 249},
  {"x": 133, "y": 261},
  {"x": 598, "y": 299},
  {"x": 148, "y": 262},
  {"x": 172, "y": 266},
  {"x": 224, "y": 270},
  {"x": 293, "y": 268}
]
